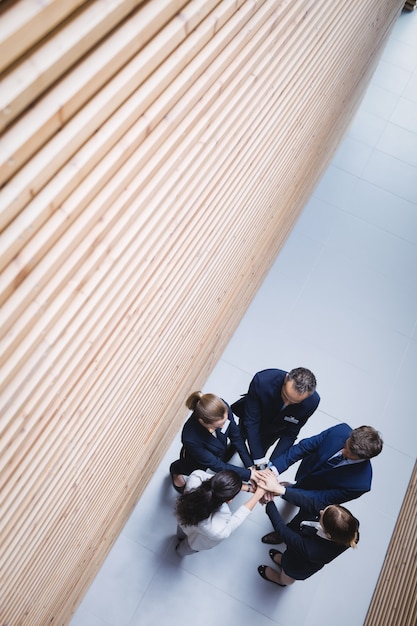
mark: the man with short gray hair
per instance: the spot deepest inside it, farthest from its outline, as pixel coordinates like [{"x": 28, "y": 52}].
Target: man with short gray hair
[{"x": 277, "y": 406}]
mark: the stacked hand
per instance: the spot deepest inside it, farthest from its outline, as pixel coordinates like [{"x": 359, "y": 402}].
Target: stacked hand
[{"x": 267, "y": 481}]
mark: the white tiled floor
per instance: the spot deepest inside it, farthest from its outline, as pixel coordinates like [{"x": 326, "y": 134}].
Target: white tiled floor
[{"x": 348, "y": 272}]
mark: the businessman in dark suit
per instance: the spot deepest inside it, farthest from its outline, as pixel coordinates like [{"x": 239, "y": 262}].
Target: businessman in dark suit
[
  {"x": 277, "y": 406},
  {"x": 335, "y": 468}
]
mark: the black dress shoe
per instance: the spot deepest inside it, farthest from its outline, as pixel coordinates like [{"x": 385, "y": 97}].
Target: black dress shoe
[
  {"x": 272, "y": 538},
  {"x": 272, "y": 553},
  {"x": 178, "y": 489},
  {"x": 261, "y": 570}
]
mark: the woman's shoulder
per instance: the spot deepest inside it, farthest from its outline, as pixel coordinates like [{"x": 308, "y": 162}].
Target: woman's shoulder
[
  {"x": 201, "y": 474},
  {"x": 195, "y": 479}
]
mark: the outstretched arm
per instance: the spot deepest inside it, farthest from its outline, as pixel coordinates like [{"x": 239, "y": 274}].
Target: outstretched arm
[
  {"x": 236, "y": 437},
  {"x": 257, "y": 496},
  {"x": 298, "y": 451},
  {"x": 315, "y": 500},
  {"x": 252, "y": 420},
  {"x": 294, "y": 540},
  {"x": 207, "y": 460}
]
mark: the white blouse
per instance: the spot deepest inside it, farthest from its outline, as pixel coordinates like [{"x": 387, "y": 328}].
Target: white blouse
[{"x": 219, "y": 526}]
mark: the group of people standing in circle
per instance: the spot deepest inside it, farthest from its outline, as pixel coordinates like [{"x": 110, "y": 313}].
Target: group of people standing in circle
[{"x": 335, "y": 468}]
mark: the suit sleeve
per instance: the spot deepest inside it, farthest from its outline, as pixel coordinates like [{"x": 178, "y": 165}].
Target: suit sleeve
[
  {"x": 315, "y": 500},
  {"x": 237, "y": 440},
  {"x": 253, "y": 419},
  {"x": 206, "y": 459},
  {"x": 293, "y": 540},
  {"x": 288, "y": 438},
  {"x": 222, "y": 527},
  {"x": 298, "y": 451}
]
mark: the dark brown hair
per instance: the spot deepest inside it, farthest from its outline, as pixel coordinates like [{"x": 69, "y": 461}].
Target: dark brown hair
[
  {"x": 198, "y": 504},
  {"x": 365, "y": 442}
]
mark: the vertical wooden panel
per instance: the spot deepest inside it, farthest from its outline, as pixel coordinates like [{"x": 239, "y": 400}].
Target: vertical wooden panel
[
  {"x": 151, "y": 173},
  {"x": 395, "y": 598}
]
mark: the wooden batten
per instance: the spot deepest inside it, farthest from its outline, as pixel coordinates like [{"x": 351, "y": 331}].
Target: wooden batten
[
  {"x": 74, "y": 90},
  {"x": 25, "y": 23},
  {"x": 395, "y": 598},
  {"x": 152, "y": 169},
  {"x": 52, "y": 59}
]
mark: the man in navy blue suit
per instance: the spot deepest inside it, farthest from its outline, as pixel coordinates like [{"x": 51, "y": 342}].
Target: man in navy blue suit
[
  {"x": 334, "y": 469},
  {"x": 277, "y": 406}
]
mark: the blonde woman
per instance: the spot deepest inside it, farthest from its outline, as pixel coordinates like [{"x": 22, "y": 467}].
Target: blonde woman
[{"x": 209, "y": 438}]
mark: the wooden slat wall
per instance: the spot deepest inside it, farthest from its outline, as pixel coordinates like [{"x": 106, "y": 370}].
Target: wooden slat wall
[
  {"x": 154, "y": 157},
  {"x": 395, "y": 598}
]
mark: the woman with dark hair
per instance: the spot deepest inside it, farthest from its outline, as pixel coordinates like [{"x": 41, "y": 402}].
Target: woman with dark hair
[
  {"x": 209, "y": 438},
  {"x": 203, "y": 514},
  {"x": 310, "y": 547}
]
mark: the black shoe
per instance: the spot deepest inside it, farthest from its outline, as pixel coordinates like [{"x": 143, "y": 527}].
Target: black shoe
[
  {"x": 272, "y": 553},
  {"x": 261, "y": 570},
  {"x": 178, "y": 489},
  {"x": 272, "y": 538}
]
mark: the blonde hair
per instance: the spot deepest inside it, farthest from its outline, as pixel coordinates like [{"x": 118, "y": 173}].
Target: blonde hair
[
  {"x": 206, "y": 406},
  {"x": 341, "y": 525}
]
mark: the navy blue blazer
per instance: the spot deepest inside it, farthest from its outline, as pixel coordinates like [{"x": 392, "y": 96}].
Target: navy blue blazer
[
  {"x": 206, "y": 451},
  {"x": 264, "y": 417},
  {"x": 316, "y": 481},
  {"x": 306, "y": 552}
]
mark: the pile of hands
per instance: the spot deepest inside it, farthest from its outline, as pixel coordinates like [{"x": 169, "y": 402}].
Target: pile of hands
[{"x": 268, "y": 482}]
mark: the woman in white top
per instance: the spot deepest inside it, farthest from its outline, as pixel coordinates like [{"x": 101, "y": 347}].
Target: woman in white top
[{"x": 203, "y": 514}]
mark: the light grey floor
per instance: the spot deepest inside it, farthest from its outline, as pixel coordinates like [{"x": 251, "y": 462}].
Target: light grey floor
[{"x": 340, "y": 299}]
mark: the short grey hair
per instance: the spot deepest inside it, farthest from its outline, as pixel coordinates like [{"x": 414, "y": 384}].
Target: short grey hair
[{"x": 303, "y": 379}]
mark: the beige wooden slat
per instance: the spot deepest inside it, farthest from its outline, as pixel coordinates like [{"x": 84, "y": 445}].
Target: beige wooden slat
[
  {"x": 15, "y": 271},
  {"x": 32, "y": 178},
  {"x": 73, "y": 91},
  {"x": 55, "y": 55},
  {"x": 25, "y": 22},
  {"x": 395, "y": 596},
  {"x": 53, "y": 263}
]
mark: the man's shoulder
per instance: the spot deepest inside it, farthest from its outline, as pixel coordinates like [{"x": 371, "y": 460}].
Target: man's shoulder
[
  {"x": 339, "y": 429},
  {"x": 270, "y": 375},
  {"x": 311, "y": 401}
]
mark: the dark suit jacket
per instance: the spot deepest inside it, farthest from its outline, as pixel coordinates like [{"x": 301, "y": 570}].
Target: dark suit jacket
[
  {"x": 315, "y": 479},
  {"x": 206, "y": 451},
  {"x": 306, "y": 552},
  {"x": 264, "y": 418}
]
